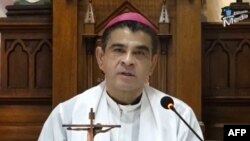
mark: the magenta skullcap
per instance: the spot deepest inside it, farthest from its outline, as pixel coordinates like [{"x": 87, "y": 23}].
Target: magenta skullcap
[{"x": 131, "y": 16}]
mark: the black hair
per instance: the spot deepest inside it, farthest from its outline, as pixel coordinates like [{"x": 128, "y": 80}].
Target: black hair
[{"x": 134, "y": 27}]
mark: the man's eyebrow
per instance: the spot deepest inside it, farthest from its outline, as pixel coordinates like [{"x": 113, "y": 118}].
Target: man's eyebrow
[{"x": 117, "y": 45}]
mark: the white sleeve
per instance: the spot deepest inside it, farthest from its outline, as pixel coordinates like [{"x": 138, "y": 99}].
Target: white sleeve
[{"x": 52, "y": 129}]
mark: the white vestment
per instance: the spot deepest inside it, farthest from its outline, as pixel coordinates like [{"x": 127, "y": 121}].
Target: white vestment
[{"x": 154, "y": 123}]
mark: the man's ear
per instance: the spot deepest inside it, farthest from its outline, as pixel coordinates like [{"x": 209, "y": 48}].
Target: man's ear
[
  {"x": 154, "y": 62},
  {"x": 99, "y": 53}
]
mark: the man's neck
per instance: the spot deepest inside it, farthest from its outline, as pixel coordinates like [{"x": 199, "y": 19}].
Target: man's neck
[{"x": 125, "y": 98}]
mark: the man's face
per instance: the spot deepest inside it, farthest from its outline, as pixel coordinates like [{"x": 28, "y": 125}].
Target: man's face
[{"x": 127, "y": 60}]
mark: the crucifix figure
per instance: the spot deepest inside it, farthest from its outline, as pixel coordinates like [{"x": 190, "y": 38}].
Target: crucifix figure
[{"x": 91, "y": 128}]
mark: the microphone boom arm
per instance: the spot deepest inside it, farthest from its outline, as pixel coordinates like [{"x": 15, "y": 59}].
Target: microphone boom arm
[{"x": 173, "y": 109}]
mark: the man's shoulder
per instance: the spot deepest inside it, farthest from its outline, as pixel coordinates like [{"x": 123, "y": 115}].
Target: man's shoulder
[
  {"x": 78, "y": 105},
  {"x": 90, "y": 95},
  {"x": 158, "y": 95}
]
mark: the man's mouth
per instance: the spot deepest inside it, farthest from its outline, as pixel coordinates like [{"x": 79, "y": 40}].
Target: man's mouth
[{"x": 126, "y": 73}]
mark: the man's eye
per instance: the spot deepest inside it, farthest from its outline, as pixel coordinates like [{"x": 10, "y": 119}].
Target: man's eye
[
  {"x": 119, "y": 50},
  {"x": 140, "y": 53}
]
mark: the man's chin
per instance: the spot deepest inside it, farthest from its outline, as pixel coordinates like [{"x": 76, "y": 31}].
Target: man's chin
[{"x": 127, "y": 86}]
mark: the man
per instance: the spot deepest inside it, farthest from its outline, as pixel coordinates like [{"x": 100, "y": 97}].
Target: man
[{"x": 127, "y": 58}]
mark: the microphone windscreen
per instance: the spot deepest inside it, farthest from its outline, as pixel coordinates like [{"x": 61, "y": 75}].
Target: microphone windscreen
[{"x": 165, "y": 101}]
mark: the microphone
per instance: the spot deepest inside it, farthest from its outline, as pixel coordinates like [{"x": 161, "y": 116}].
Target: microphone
[{"x": 168, "y": 103}]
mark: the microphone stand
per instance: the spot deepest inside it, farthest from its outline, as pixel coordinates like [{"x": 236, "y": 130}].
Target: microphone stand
[{"x": 173, "y": 109}]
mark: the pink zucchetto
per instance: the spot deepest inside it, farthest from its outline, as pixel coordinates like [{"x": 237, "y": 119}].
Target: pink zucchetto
[{"x": 131, "y": 16}]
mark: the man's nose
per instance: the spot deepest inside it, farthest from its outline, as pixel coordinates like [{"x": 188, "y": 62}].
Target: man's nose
[{"x": 128, "y": 59}]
